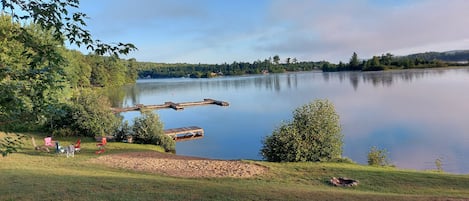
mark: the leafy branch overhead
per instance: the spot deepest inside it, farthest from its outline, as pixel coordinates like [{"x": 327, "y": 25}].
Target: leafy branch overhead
[{"x": 66, "y": 24}]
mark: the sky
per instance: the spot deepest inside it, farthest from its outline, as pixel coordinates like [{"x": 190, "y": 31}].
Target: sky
[{"x": 224, "y": 31}]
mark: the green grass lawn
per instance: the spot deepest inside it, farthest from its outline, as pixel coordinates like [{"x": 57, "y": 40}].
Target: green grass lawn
[{"x": 32, "y": 175}]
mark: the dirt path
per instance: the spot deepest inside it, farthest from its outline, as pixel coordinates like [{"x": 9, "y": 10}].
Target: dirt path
[{"x": 180, "y": 166}]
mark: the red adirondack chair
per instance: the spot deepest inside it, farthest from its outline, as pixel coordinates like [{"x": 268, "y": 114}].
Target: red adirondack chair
[
  {"x": 78, "y": 145},
  {"x": 101, "y": 146}
]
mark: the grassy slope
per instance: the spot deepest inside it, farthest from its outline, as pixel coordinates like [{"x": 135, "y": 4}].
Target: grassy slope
[{"x": 30, "y": 175}]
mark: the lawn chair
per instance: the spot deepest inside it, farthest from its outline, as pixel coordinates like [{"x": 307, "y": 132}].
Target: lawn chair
[
  {"x": 58, "y": 149},
  {"x": 101, "y": 146},
  {"x": 78, "y": 145},
  {"x": 48, "y": 141}
]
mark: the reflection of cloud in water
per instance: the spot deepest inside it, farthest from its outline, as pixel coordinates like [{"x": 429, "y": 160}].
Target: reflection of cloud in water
[
  {"x": 382, "y": 78},
  {"x": 434, "y": 108}
]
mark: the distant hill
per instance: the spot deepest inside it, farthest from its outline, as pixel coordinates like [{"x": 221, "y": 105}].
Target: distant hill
[{"x": 449, "y": 56}]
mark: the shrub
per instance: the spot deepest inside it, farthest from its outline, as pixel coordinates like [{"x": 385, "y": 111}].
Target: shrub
[
  {"x": 92, "y": 114},
  {"x": 87, "y": 114},
  {"x": 10, "y": 142},
  {"x": 313, "y": 135},
  {"x": 148, "y": 129},
  {"x": 439, "y": 164},
  {"x": 282, "y": 145},
  {"x": 378, "y": 157},
  {"x": 123, "y": 131}
]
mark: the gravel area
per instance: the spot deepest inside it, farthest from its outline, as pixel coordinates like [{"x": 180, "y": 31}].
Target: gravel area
[{"x": 180, "y": 166}]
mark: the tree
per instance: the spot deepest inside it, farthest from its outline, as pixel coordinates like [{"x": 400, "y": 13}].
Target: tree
[
  {"x": 378, "y": 157},
  {"x": 77, "y": 71},
  {"x": 294, "y": 60},
  {"x": 276, "y": 59},
  {"x": 313, "y": 135},
  {"x": 354, "y": 63},
  {"x": 10, "y": 143},
  {"x": 148, "y": 129},
  {"x": 375, "y": 61},
  {"x": 87, "y": 114},
  {"x": 55, "y": 15},
  {"x": 31, "y": 72}
]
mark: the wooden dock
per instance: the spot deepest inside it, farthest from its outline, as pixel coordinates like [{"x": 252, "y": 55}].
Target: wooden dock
[
  {"x": 185, "y": 133},
  {"x": 175, "y": 106}
]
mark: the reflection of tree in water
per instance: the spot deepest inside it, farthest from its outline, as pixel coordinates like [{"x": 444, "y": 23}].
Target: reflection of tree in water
[
  {"x": 131, "y": 94},
  {"x": 377, "y": 79},
  {"x": 121, "y": 96},
  {"x": 354, "y": 79},
  {"x": 383, "y": 78},
  {"x": 326, "y": 76},
  {"x": 164, "y": 86},
  {"x": 115, "y": 95}
]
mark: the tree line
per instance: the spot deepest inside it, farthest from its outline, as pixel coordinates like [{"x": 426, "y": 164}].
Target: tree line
[
  {"x": 163, "y": 70},
  {"x": 389, "y": 61},
  {"x": 273, "y": 65}
]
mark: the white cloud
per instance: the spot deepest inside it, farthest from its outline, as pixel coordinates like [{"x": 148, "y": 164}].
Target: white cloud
[
  {"x": 213, "y": 31},
  {"x": 335, "y": 29}
]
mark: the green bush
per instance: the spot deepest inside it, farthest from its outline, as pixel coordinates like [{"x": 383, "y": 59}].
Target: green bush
[
  {"x": 87, "y": 114},
  {"x": 123, "y": 131},
  {"x": 313, "y": 135},
  {"x": 378, "y": 157},
  {"x": 148, "y": 129},
  {"x": 282, "y": 145}
]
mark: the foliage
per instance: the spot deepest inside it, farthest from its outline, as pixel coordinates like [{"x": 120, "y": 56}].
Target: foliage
[
  {"x": 313, "y": 135},
  {"x": 378, "y": 157},
  {"x": 31, "y": 78},
  {"x": 282, "y": 145},
  {"x": 389, "y": 61},
  {"x": 10, "y": 143},
  {"x": 376, "y": 63},
  {"x": 276, "y": 59},
  {"x": 88, "y": 114},
  {"x": 77, "y": 69},
  {"x": 148, "y": 129},
  {"x": 35, "y": 68},
  {"x": 354, "y": 63},
  {"x": 59, "y": 16},
  {"x": 450, "y": 56},
  {"x": 163, "y": 70},
  {"x": 123, "y": 131},
  {"x": 439, "y": 164},
  {"x": 92, "y": 114}
]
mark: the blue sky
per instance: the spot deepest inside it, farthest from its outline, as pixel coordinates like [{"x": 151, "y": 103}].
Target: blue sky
[{"x": 218, "y": 31}]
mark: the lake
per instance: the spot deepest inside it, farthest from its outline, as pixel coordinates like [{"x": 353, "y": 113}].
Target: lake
[{"x": 418, "y": 116}]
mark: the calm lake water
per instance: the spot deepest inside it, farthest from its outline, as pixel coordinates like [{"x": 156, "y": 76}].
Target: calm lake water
[{"x": 417, "y": 115}]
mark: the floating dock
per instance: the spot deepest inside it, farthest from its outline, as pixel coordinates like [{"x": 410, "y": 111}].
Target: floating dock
[
  {"x": 185, "y": 133},
  {"x": 175, "y": 106}
]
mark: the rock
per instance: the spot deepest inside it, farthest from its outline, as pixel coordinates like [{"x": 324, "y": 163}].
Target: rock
[{"x": 344, "y": 182}]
